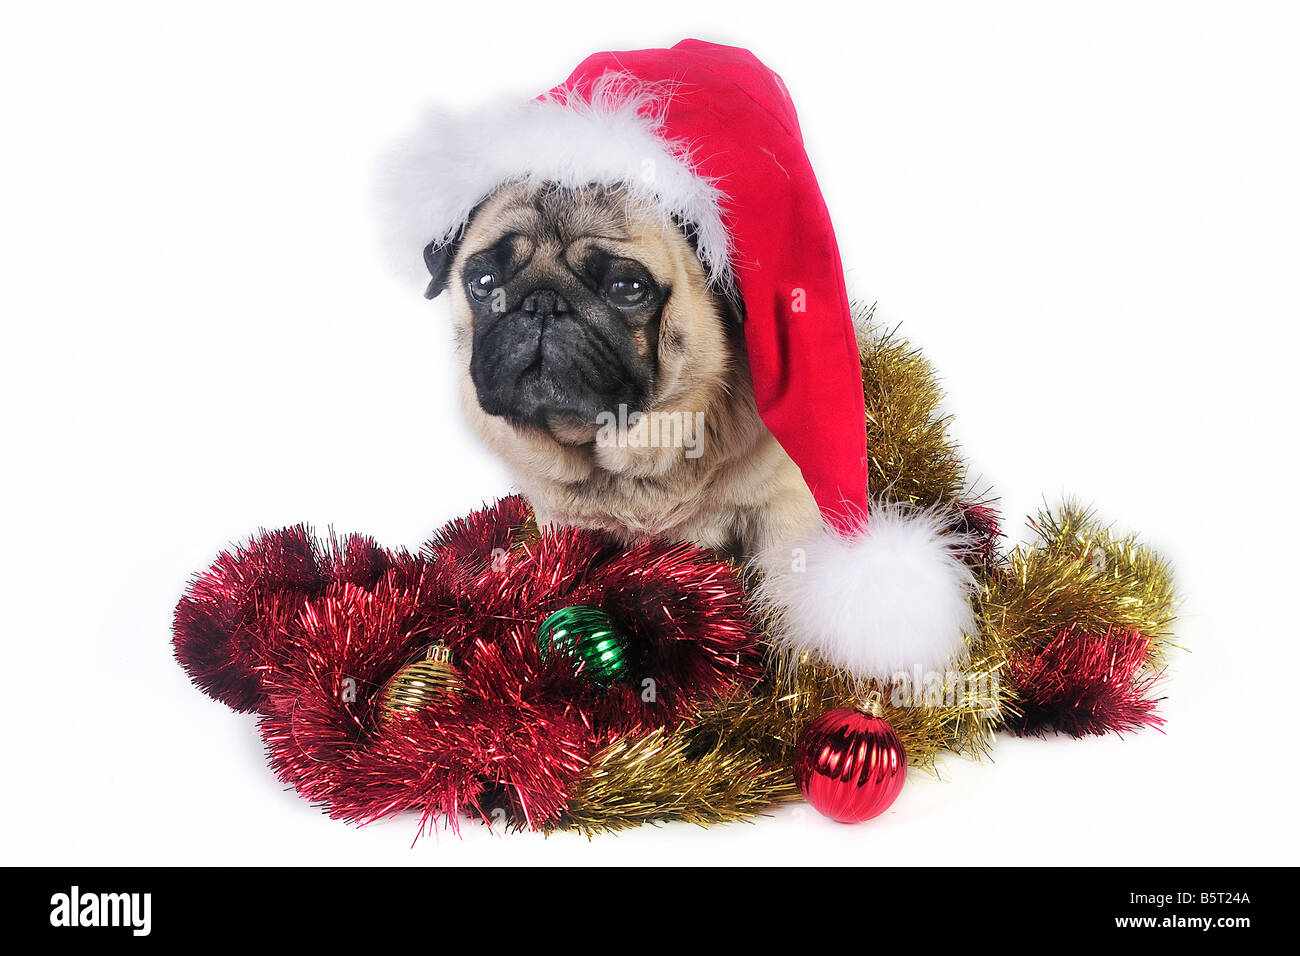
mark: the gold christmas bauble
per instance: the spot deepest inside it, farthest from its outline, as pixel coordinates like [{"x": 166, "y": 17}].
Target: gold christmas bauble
[{"x": 421, "y": 684}]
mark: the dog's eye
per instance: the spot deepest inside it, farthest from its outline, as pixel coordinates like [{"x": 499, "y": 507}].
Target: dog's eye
[
  {"x": 481, "y": 284},
  {"x": 626, "y": 291}
]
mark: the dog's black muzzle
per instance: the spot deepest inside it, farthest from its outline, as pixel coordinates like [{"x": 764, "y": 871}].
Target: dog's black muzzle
[{"x": 545, "y": 363}]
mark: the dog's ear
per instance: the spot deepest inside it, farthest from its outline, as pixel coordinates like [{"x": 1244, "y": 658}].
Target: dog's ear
[
  {"x": 438, "y": 257},
  {"x": 733, "y": 307}
]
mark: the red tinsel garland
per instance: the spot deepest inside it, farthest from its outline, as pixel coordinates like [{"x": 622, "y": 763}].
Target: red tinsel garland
[
  {"x": 980, "y": 522},
  {"x": 307, "y": 634},
  {"x": 1084, "y": 684}
]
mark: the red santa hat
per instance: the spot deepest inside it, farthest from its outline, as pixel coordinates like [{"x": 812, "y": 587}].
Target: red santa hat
[{"x": 710, "y": 135}]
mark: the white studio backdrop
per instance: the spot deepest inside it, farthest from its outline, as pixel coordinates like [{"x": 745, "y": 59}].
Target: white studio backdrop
[{"x": 1084, "y": 213}]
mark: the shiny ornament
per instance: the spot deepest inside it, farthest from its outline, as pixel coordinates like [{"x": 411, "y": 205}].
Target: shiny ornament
[
  {"x": 590, "y": 637},
  {"x": 419, "y": 685},
  {"x": 849, "y": 763}
]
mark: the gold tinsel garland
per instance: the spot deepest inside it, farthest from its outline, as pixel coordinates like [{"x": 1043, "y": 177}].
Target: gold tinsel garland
[
  {"x": 911, "y": 456},
  {"x": 662, "y": 776},
  {"x": 1080, "y": 573},
  {"x": 732, "y": 759}
]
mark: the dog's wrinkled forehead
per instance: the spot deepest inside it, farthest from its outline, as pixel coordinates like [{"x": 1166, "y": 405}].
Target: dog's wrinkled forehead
[{"x": 559, "y": 217}]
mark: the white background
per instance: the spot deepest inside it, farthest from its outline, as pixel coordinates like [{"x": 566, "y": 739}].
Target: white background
[{"x": 1086, "y": 213}]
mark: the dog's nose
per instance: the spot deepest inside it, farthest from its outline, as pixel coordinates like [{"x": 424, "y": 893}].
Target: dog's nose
[{"x": 544, "y": 303}]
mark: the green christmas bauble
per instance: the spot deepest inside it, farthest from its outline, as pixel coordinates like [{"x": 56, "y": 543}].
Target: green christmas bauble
[{"x": 590, "y": 638}]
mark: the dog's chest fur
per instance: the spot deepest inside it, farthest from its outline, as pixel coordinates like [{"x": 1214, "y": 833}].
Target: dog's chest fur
[{"x": 741, "y": 495}]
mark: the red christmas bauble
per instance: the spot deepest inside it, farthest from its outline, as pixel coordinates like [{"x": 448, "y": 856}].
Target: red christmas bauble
[{"x": 850, "y": 764}]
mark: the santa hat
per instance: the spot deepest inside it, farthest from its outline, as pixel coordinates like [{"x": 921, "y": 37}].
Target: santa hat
[{"x": 710, "y": 135}]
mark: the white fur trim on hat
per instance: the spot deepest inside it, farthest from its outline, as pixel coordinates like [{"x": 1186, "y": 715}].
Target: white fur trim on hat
[
  {"x": 609, "y": 136},
  {"x": 882, "y": 603}
]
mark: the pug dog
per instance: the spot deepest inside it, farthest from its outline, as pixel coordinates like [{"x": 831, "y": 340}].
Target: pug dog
[{"x": 597, "y": 362}]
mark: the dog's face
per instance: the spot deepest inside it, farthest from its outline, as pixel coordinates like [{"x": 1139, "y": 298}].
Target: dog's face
[{"x": 572, "y": 303}]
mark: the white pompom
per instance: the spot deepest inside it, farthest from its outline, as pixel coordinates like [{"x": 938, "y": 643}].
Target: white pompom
[{"x": 881, "y": 604}]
